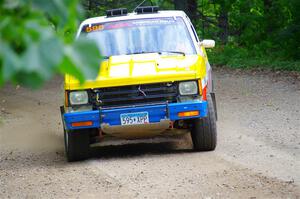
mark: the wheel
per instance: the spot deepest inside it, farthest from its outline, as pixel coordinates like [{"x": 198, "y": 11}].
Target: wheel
[
  {"x": 77, "y": 144},
  {"x": 204, "y": 130}
]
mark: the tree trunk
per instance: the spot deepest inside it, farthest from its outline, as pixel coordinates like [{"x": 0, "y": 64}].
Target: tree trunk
[
  {"x": 267, "y": 4},
  {"x": 223, "y": 25},
  {"x": 192, "y": 9},
  {"x": 188, "y": 6},
  {"x": 268, "y": 16},
  {"x": 181, "y": 5}
]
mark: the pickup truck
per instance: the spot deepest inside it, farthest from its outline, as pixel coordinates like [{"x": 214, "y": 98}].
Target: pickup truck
[{"x": 155, "y": 80}]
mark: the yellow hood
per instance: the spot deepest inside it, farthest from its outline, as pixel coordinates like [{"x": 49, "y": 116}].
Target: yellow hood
[{"x": 142, "y": 69}]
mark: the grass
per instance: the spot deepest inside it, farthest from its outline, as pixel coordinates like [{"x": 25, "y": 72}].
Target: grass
[{"x": 241, "y": 58}]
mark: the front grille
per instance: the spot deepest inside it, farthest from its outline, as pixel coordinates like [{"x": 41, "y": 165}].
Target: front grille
[{"x": 135, "y": 95}]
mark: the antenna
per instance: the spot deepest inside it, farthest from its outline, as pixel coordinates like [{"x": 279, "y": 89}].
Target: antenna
[{"x": 139, "y": 5}]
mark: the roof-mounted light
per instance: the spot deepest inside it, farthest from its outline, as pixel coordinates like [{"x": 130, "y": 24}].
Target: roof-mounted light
[
  {"x": 116, "y": 12},
  {"x": 147, "y": 9}
]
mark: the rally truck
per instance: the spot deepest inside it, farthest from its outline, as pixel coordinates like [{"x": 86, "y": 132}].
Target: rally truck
[{"x": 155, "y": 80}]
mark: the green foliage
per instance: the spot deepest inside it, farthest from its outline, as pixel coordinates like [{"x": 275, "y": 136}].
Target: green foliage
[
  {"x": 237, "y": 57},
  {"x": 37, "y": 40}
]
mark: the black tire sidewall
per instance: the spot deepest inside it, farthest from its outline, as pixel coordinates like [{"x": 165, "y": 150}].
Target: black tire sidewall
[
  {"x": 204, "y": 130},
  {"x": 77, "y": 144}
]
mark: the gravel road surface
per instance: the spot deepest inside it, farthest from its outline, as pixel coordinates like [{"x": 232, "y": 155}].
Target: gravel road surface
[{"x": 257, "y": 154}]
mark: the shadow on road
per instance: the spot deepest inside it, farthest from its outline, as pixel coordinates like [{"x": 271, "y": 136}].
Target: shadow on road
[
  {"x": 17, "y": 159},
  {"x": 137, "y": 149}
]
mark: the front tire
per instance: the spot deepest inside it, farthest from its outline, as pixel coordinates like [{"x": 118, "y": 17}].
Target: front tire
[
  {"x": 204, "y": 130},
  {"x": 77, "y": 144}
]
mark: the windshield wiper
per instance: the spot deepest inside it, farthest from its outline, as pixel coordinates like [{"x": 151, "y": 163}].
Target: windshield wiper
[
  {"x": 173, "y": 52},
  {"x": 141, "y": 52},
  {"x": 162, "y": 52}
]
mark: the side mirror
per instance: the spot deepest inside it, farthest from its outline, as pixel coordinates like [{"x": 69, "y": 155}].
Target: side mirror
[{"x": 207, "y": 43}]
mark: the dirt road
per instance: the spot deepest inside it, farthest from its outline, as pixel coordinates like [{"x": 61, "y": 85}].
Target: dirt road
[{"x": 257, "y": 154}]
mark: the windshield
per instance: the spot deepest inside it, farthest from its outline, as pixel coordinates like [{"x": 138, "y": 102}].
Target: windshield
[{"x": 160, "y": 35}]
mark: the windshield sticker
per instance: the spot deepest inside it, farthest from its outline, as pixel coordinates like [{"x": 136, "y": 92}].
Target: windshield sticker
[
  {"x": 153, "y": 22},
  {"x": 117, "y": 25},
  {"x": 129, "y": 24},
  {"x": 94, "y": 28}
]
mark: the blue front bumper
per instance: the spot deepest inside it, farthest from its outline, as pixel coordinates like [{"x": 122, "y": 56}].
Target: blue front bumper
[{"x": 156, "y": 114}]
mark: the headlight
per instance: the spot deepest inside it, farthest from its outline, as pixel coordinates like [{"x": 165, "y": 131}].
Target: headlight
[
  {"x": 79, "y": 97},
  {"x": 188, "y": 88}
]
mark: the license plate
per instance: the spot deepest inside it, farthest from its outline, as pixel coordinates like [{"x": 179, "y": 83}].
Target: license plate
[{"x": 134, "y": 118}]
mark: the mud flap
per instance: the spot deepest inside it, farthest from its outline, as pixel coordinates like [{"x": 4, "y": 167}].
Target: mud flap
[
  {"x": 62, "y": 112},
  {"x": 213, "y": 97}
]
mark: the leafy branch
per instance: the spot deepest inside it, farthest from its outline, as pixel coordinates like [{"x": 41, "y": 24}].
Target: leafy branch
[{"x": 37, "y": 40}]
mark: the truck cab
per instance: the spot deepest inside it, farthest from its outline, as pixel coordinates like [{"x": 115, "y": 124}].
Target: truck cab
[{"x": 154, "y": 80}]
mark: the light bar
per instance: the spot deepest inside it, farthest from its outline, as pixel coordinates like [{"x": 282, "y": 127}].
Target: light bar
[
  {"x": 116, "y": 12},
  {"x": 147, "y": 9}
]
